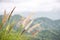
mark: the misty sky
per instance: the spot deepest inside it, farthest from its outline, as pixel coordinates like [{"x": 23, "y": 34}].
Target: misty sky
[{"x": 40, "y": 8}]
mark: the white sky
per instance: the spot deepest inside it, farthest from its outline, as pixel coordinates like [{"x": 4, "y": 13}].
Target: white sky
[{"x": 33, "y": 6}]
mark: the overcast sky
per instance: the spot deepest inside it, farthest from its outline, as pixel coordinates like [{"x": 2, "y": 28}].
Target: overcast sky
[{"x": 41, "y": 8}]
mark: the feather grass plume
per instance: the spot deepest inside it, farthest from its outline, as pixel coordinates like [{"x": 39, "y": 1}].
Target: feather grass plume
[
  {"x": 19, "y": 23},
  {"x": 5, "y": 17},
  {"x": 25, "y": 23},
  {"x": 28, "y": 25},
  {"x": 11, "y": 13},
  {"x": 33, "y": 27},
  {"x": 35, "y": 33},
  {"x": 27, "y": 20},
  {"x": 7, "y": 20}
]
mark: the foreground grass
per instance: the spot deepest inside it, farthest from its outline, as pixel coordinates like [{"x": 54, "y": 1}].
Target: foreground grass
[{"x": 13, "y": 36}]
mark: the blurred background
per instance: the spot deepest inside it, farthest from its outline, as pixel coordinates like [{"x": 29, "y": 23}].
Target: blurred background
[{"x": 45, "y": 12}]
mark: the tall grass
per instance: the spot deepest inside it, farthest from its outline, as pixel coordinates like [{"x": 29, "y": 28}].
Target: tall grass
[{"x": 8, "y": 33}]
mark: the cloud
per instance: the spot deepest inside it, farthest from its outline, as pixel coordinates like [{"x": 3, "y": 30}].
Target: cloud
[
  {"x": 32, "y": 5},
  {"x": 45, "y": 8}
]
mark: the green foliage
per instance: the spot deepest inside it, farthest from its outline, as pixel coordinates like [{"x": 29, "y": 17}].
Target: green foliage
[{"x": 4, "y": 35}]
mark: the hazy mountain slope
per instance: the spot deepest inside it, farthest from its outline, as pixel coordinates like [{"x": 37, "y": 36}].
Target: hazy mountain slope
[{"x": 51, "y": 31}]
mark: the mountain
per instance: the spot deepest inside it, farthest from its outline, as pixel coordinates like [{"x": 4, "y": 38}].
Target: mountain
[
  {"x": 57, "y": 22},
  {"x": 51, "y": 28},
  {"x": 15, "y": 18}
]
